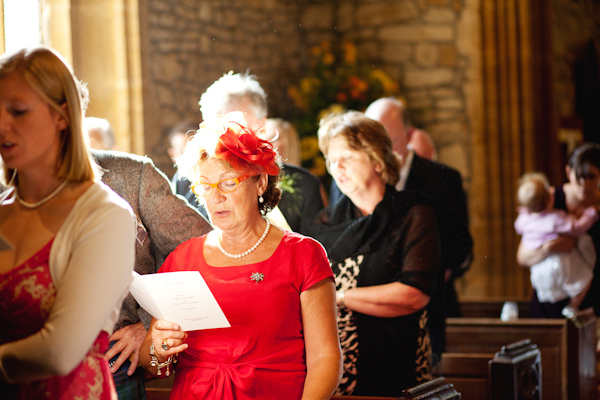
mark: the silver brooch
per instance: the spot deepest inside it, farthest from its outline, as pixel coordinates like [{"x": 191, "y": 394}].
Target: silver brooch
[{"x": 257, "y": 277}]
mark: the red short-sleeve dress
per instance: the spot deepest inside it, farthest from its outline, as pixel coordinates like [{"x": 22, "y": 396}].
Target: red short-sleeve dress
[{"x": 262, "y": 354}]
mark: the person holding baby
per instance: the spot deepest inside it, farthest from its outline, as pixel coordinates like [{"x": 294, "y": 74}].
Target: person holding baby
[
  {"x": 574, "y": 196},
  {"x": 560, "y": 280}
]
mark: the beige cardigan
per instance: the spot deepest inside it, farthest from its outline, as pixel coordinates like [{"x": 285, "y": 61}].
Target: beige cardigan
[{"x": 91, "y": 260}]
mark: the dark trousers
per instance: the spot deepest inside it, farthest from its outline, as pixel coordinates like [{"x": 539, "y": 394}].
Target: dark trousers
[
  {"x": 129, "y": 387},
  {"x": 546, "y": 310}
]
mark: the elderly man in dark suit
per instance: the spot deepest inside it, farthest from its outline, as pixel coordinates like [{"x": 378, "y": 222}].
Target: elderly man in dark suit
[
  {"x": 164, "y": 220},
  {"x": 443, "y": 185}
]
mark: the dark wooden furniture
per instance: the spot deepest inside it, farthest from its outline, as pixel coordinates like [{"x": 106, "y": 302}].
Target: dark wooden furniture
[
  {"x": 362, "y": 398},
  {"x": 491, "y": 308},
  {"x": 468, "y": 373},
  {"x": 436, "y": 389},
  {"x": 159, "y": 389},
  {"x": 516, "y": 372},
  {"x": 568, "y": 348},
  {"x": 158, "y": 393}
]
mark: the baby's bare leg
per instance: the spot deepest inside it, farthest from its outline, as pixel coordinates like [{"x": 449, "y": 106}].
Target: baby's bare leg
[{"x": 575, "y": 301}]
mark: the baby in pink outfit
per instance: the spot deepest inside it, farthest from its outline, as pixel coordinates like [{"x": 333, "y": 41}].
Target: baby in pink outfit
[{"x": 562, "y": 275}]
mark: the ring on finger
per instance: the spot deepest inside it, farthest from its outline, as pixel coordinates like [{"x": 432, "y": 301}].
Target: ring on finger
[{"x": 165, "y": 344}]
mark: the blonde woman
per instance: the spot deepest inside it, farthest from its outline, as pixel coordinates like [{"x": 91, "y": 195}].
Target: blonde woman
[{"x": 71, "y": 253}]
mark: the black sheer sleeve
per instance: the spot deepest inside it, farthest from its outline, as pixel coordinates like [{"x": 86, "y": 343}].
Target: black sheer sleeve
[{"x": 418, "y": 248}]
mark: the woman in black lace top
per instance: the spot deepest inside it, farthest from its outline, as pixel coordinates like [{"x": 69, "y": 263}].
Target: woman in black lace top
[{"x": 384, "y": 249}]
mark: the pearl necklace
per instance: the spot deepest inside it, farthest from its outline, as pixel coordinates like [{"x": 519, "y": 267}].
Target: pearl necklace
[
  {"x": 251, "y": 249},
  {"x": 42, "y": 201}
]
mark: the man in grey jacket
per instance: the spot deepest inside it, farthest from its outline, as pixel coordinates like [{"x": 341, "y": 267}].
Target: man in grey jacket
[{"x": 164, "y": 220}]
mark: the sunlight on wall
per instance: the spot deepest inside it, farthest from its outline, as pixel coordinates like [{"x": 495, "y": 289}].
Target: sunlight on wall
[{"x": 21, "y": 24}]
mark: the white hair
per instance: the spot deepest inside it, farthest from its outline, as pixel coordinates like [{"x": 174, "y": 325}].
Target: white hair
[
  {"x": 102, "y": 126},
  {"x": 228, "y": 91}
]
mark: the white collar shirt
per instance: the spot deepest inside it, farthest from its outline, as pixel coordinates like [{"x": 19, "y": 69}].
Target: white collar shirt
[{"x": 405, "y": 169}]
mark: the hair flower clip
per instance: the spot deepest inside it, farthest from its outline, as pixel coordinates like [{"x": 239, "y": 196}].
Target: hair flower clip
[{"x": 244, "y": 150}]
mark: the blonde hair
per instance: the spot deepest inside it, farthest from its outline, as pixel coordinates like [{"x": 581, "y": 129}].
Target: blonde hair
[
  {"x": 52, "y": 78},
  {"x": 534, "y": 191},
  {"x": 364, "y": 134}
]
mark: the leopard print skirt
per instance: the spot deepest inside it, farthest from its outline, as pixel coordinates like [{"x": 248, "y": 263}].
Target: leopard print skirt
[{"x": 349, "y": 338}]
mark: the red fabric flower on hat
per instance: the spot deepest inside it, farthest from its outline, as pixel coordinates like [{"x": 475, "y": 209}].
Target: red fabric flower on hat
[{"x": 245, "y": 151}]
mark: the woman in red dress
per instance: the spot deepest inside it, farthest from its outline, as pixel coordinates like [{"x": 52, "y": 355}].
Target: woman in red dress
[
  {"x": 67, "y": 241},
  {"x": 275, "y": 287}
]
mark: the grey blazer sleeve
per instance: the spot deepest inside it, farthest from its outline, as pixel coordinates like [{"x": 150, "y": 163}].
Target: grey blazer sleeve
[{"x": 168, "y": 219}]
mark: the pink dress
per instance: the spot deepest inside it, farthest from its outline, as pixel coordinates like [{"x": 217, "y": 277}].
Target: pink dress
[
  {"x": 261, "y": 356},
  {"x": 26, "y": 297}
]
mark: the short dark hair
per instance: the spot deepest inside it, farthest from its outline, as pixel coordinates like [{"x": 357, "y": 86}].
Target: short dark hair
[{"x": 583, "y": 158}]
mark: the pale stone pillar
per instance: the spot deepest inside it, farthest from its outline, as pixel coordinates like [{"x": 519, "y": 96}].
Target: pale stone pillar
[
  {"x": 101, "y": 40},
  {"x": 56, "y": 26},
  {"x": 2, "y": 47}
]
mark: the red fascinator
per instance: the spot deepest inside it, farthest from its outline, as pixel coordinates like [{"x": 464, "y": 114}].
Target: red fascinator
[{"x": 241, "y": 147}]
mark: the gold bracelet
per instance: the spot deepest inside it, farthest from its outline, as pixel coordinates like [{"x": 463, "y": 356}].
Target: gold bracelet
[
  {"x": 155, "y": 363},
  {"x": 342, "y": 298}
]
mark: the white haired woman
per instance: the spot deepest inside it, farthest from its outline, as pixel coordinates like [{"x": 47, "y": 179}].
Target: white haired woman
[{"x": 275, "y": 287}]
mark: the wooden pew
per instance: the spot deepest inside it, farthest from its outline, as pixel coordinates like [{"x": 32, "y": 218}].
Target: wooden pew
[
  {"x": 516, "y": 372},
  {"x": 154, "y": 393},
  {"x": 468, "y": 372},
  {"x": 362, "y": 398},
  {"x": 159, "y": 389},
  {"x": 436, "y": 389},
  {"x": 491, "y": 308},
  {"x": 158, "y": 393},
  {"x": 567, "y": 348}
]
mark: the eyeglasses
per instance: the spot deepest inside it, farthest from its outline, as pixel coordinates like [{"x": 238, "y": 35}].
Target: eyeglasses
[{"x": 225, "y": 186}]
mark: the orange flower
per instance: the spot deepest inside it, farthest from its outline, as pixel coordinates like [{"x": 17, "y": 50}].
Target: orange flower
[
  {"x": 358, "y": 84},
  {"x": 341, "y": 97}
]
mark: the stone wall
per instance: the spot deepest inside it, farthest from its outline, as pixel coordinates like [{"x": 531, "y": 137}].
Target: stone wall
[
  {"x": 189, "y": 44},
  {"x": 416, "y": 43}
]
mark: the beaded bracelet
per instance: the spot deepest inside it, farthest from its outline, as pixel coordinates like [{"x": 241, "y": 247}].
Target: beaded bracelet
[
  {"x": 342, "y": 298},
  {"x": 155, "y": 363}
]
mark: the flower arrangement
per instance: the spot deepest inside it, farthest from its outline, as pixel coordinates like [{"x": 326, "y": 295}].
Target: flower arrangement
[{"x": 333, "y": 83}]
